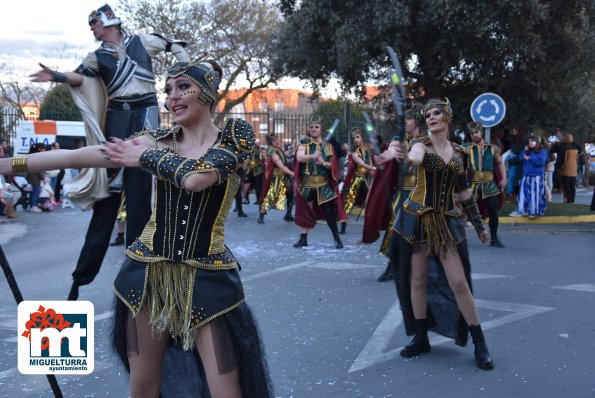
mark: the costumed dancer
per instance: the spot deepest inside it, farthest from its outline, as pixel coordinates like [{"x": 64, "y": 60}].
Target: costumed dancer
[
  {"x": 379, "y": 216},
  {"x": 121, "y": 222},
  {"x": 437, "y": 294},
  {"x": 488, "y": 177},
  {"x": 360, "y": 173},
  {"x": 239, "y": 199},
  {"x": 277, "y": 188},
  {"x": 114, "y": 89},
  {"x": 317, "y": 196},
  {"x": 179, "y": 280},
  {"x": 254, "y": 175}
]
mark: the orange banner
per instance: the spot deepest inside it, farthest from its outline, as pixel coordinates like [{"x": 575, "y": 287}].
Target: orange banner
[{"x": 45, "y": 127}]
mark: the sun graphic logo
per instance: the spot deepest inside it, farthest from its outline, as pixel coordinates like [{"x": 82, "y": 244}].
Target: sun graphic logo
[{"x": 56, "y": 337}]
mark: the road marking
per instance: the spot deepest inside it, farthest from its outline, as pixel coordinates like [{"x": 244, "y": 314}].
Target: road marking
[
  {"x": 584, "y": 287},
  {"x": 11, "y": 231},
  {"x": 275, "y": 271},
  {"x": 475, "y": 276},
  {"x": 7, "y": 373},
  {"x": 374, "y": 352},
  {"x": 341, "y": 266}
]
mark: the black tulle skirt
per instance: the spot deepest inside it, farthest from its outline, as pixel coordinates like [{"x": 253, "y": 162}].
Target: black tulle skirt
[{"x": 237, "y": 345}]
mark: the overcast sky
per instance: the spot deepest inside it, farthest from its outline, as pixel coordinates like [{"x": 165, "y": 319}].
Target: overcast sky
[{"x": 55, "y": 32}]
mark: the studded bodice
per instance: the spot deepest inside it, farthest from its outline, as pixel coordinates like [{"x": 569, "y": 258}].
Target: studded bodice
[
  {"x": 188, "y": 227},
  {"x": 436, "y": 183}
]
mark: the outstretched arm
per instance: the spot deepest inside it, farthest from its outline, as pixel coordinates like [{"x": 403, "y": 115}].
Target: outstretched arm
[
  {"x": 87, "y": 157},
  {"x": 48, "y": 75},
  {"x": 183, "y": 172}
]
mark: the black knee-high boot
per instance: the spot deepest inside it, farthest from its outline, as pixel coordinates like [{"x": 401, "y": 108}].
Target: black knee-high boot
[
  {"x": 332, "y": 224},
  {"x": 387, "y": 275},
  {"x": 420, "y": 342},
  {"x": 239, "y": 207},
  {"x": 302, "y": 242},
  {"x": 343, "y": 227},
  {"x": 288, "y": 217},
  {"x": 482, "y": 355}
]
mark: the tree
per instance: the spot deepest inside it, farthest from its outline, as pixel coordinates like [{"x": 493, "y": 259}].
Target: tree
[
  {"x": 14, "y": 95},
  {"x": 58, "y": 105},
  {"x": 329, "y": 110},
  {"x": 236, "y": 33},
  {"x": 537, "y": 54}
]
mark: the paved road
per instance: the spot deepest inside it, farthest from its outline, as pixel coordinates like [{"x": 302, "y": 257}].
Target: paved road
[
  {"x": 583, "y": 196},
  {"x": 330, "y": 329}
]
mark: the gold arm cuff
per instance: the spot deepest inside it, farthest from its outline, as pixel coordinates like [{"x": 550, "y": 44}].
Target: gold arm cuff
[{"x": 19, "y": 165}]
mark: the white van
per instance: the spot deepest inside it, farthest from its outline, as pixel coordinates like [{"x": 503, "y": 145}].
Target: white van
[{"x": 31, "y": 132}]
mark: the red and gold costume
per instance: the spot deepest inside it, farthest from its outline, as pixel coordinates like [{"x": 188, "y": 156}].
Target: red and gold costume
[
  {"x": 276, "y": 183},
  {"x": 358, "y": 180},
  {"x": 317, "y": 182}
]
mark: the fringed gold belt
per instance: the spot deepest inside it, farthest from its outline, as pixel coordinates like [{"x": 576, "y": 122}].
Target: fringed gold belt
[
  {"x": 315, "y": 181},
  {"x": 482, "y": 176},
  {"x": 170, "y": 301},
  {"x": 436, "y": 233}
]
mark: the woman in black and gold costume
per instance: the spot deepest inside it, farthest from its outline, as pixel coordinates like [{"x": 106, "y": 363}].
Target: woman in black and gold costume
[
  {"x": 433, "y": 294},
  {"x": 179, "y": 280}
]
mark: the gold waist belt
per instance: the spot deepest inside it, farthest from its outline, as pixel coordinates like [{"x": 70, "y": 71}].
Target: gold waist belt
[
  {"x": 482, "y": 176},
  {"x": 360, "y": 171},
  {"x": 278, "y": 172},
  {"x": 315, "y": 181},
  {"x": 409, "y": 181}
]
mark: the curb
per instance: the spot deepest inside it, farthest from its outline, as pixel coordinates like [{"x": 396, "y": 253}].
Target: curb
[{"x": 547, "y": 220}]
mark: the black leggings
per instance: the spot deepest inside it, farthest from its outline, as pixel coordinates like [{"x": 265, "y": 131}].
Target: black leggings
[
  {"x": 492, "y": 206},
  {"x": 327, "y": 209},
  {"x": 569, "y": 187}
]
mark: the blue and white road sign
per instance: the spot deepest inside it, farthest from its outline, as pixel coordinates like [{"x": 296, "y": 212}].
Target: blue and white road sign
[{"x": 488, "y": 108}]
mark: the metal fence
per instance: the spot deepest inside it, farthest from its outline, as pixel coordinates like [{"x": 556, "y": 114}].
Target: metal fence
[{"x": 287, "y": 126}]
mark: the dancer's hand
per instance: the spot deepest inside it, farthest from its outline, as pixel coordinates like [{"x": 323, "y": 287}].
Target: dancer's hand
[
  {"x": 43, "y": 75},
  {"x": 127, "y": 153},
  {"x": 318, "y": 158},
  {"x": 399, "y": 151}
]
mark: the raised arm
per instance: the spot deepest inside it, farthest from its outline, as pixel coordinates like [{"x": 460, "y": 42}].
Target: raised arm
[{"x": 156, "y": 43}]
